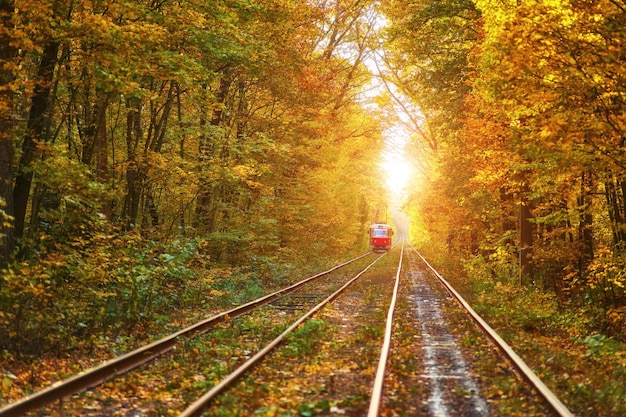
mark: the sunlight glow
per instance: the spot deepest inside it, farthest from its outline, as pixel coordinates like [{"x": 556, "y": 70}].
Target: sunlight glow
[
  {"x": 397, "y": 169},
  {"x": 397, "y": 172}
]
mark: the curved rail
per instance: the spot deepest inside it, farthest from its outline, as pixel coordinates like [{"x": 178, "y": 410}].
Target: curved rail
[
  {"x": 557, "y": 406},
  {"x": 377, "y": 390},
  {"x": 122, "y": 364},
  {"x": 198, "y": 406}
]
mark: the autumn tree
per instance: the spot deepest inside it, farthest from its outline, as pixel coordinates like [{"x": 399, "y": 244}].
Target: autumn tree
[
  {"x": 428, "y": 51},
  {"x": 535, "y": 132},
  {"x": 556, "y": 80},
  {"x": 7, "y": 74},
  {"x": 153, "y": 133}
]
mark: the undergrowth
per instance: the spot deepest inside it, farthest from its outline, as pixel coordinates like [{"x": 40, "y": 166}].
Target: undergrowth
[
  {"x": 105, "y": 295},
  {"x": 562, "y": 341}
]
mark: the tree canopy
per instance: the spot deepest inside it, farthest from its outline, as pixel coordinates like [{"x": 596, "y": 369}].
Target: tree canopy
[
  {"x": 236, "y": 133},
  {"x": 134, "y": 132},
  {"x": 525, "y": 102}
]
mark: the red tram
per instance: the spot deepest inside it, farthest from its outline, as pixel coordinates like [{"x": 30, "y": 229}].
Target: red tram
[{"x": 380, "y": 237}]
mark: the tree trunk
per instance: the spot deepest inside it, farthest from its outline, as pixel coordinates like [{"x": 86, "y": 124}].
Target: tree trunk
[
  {"x": 133, "y": 136},
  {"x": 7, "y": 53},
  {"x": 158, "y": 125},
  {"x": 102, "y": 148},
  {"x": 616, "y": 214},
  {"x": 526, "y": 239},
  {"x": 585, "y": 228},
  {"x": 36, "y": 128},
  {"x": 100, "y": 141},
  {"x": 204, "y": 216}
]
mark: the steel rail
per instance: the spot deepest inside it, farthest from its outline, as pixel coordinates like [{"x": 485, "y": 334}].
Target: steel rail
[
  {"x": 377, "y": 390},
  {"x": 557, "y": 406},
  {"x": 124, "y": 363},
  {"x": 196, "y": 408}
]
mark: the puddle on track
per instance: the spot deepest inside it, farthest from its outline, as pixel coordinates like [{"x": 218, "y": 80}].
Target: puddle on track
[{"x": 452, "y": 390}]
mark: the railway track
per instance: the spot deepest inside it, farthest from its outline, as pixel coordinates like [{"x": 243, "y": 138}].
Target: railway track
[
  {"x": 138, "y": 357},
  {"x": 533, "y": 380},
  {"x": 353, "y": 365}
]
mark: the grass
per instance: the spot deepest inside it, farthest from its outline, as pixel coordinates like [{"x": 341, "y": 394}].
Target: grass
[
  {"x": 559, "y": 341},
  {"x": 302, "y": 342}
]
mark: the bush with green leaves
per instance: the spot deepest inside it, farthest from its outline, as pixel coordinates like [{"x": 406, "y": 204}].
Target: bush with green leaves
[{"x": 106, "y": 285}]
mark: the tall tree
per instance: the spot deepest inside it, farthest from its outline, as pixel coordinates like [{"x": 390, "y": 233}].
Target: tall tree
[
  {"x": 37, "y": 128},
  {"x": 7, "y": 75}
]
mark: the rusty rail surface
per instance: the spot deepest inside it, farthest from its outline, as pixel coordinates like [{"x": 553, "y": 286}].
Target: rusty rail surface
[{"x": 377, "y": 390}]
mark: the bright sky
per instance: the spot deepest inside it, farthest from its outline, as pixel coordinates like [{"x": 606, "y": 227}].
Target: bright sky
[
  {"x": 397, "y": 169},
  {"x": 398, "y": 172}
]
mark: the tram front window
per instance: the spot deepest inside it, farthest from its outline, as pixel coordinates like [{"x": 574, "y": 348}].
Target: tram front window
[{"x": 379, "y": 233}]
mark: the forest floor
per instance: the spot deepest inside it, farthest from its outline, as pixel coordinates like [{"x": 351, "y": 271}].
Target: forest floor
[
  {"x": 583, "y": 367},
  {"x": 587, "y": 372}
]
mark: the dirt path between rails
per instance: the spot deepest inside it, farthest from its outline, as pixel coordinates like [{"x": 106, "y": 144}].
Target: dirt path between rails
[
  {"x": 452, "y": 391},
  {"x": 443, "y": 364}
]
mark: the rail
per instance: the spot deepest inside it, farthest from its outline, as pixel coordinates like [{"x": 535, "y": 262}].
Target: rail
[
  {"x": 377, "y": 390},
  {"x": 557, "y": 406}
]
